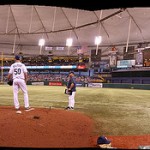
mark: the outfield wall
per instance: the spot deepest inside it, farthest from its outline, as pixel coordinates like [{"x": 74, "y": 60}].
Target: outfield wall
[
  {"x": 100, "y": 85},
  {"x": 127, "y": 86},
  {"x": 131, "y": 80},
  {"x": 55, "y": 83}
]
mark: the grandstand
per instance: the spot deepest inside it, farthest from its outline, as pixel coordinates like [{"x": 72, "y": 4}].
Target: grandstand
[{"x": 42, "y": 68}]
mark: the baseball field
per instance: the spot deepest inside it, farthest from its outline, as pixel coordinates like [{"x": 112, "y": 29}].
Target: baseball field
[{"x": 115, "y": 112}]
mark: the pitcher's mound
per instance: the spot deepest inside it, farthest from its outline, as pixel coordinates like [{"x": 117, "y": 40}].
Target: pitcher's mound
[{"x": 44, "y": 128}]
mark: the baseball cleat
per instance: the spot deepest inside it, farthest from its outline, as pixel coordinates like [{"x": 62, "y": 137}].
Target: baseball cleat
[
  {"x": 67, "y": 108},
  {"x": 29, "y": 109},
  {"x": 72, "y": 108}
]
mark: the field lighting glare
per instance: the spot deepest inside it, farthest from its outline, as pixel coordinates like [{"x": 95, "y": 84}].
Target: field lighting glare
[
  {"x": 98, "y": 40},
  {"x": 41, "y": 42},
  {"x": 69, "y": 42}
]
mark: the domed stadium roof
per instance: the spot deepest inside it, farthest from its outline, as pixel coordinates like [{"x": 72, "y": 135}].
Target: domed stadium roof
[{"x": 22, "y": 26}]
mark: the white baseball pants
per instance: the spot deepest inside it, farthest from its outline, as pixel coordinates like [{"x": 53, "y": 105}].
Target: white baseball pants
[
  {"x": 72, "y": 99},
  {"x": 20, "y": 84}
]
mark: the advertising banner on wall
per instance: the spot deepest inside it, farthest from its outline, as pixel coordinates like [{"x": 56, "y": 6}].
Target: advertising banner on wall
[
  {"x": 55, "y": 83},
  {"x": 78, "y": 84},
  {"x": 37, "y": 83},
  {"x": 100, "y": 85}
]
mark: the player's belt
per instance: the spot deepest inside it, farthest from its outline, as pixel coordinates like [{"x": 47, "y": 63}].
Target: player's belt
[{"x": 18, "y": 78}]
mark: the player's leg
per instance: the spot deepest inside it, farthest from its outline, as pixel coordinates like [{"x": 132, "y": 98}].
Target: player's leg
[
  {"x": 23, "y": 87},
  {"x": 72, "y": 100},
  {"x": 69, "y": 104},
  {"x": 15, "y": 93}
]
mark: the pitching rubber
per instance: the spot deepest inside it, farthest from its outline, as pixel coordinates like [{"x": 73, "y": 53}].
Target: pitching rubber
[{"x": 18, "y": 112}]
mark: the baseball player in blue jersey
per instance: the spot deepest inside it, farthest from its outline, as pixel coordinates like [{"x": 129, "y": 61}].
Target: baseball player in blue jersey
[
  {"x": 18, "y": 72},
  {"x": 71, "y": 85}
]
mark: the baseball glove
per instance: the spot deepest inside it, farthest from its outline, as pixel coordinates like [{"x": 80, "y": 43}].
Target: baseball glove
[
  {"x": 10, "y": 82},
  {"x": 68, "y": 92}
]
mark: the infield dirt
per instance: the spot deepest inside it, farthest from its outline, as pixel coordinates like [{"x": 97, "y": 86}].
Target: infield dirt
[{"x": 55, "y": 128}]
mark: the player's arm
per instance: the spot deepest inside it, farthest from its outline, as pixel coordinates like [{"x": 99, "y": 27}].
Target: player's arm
[{"x": 71, "y": 86}]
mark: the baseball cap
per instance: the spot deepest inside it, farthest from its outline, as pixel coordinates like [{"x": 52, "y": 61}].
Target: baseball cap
[
  {"x": 103, "y": 140},
  {"x": 17, "y": 57}
]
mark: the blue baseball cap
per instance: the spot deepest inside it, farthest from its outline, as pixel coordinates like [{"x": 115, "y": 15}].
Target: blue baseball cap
[
  {"x": 17, "y": 57},
  {"x": 103, "y": 140}
]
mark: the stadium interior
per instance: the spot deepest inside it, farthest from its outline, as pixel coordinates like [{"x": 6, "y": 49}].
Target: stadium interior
[
  {"x": 117, "y": 58},
  {"x": 106, "y": 44}
]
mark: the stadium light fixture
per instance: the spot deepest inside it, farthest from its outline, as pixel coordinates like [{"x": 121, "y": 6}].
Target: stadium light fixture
[
  {"x": 69, "y": 42},
  {"x": 98, "y": 40},
  {"x": 41, "y": 42}
]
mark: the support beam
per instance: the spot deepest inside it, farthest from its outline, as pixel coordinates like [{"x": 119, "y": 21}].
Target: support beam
[
  {"x": 89, "y": 46},
  {"x": 41, "y": 49},
  {"x": 73, "y": 28},
  {"x": 11, "y": 31},
  {"x": 41, "y": 21},
  {"x": 15, "y": 22},
  {"x": 7, "y": 20},
  {"x": 54, "y": 19},
  {"x": 129, "y": 29},
  {"x": 135, "y": 23},
  {"x": 76, "y": 23},
  {"x": 31, "y": 19},
  {"x": 36, "y": 31},
  {"x": 101, "y": 24},
  {"x": 77, "y": 18},
  {"x": 107, "y": 17},
  {"x": 14, "y": 44}
]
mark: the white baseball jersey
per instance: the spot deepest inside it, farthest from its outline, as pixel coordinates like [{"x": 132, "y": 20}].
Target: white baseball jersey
[{"x": 18, "y": 69}]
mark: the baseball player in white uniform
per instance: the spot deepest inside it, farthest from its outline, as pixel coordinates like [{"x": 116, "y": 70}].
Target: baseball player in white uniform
[{"x": 18, "y": 72}]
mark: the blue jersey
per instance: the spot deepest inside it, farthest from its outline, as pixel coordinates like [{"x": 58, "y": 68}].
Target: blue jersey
[{"x": 72, "y": 80}]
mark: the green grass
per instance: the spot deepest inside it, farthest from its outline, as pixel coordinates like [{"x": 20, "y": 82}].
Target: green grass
[{"x": 114, "y": 111}]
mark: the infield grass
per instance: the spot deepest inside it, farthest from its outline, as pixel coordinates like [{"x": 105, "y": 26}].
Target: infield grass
[{"x": 114, "y": 111}]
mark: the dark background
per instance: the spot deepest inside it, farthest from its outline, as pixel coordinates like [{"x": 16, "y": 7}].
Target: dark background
[{"x": 82, "y": 4}]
